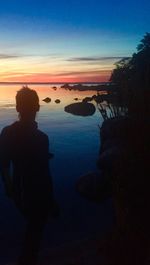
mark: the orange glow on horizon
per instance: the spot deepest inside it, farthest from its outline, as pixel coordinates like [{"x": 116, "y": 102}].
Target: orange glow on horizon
[
  {"x": 103, "y": 76},
  {"x": 35, "y": 69}
]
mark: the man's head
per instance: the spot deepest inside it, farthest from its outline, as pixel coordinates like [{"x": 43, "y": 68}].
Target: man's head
[{"x": 27, "y": 103}]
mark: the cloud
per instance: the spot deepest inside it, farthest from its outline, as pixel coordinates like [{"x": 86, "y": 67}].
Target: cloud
[
  {"x": 60, "y": 74},
  {"x": 79, "y": 73},
  {"x": 4, "y": 56},
  {"x": 8, "y": 56},
  {"x": 71, "y": 73},
  {"x": 95, "y": 58}
]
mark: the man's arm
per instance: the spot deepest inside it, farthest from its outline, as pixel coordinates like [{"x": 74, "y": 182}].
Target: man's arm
[
  {"x": 7, "y": 181},
  {"x": 5, "y": 161}
]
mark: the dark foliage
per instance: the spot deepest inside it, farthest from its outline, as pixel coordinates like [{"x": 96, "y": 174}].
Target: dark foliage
[{"x": 131, "y": 79}]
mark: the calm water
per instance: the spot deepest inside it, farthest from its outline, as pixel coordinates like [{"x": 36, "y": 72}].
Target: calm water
[{"x": 75, "y": 142}]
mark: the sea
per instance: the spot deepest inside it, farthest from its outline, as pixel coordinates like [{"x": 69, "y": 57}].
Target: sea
[{"x": 75, "y": 142}]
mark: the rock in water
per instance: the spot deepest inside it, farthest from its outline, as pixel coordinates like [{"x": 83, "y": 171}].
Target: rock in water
[
  {"x": 81, "y": 109},
  {"x": 54, "y": 87},
  {"x": 94, "y": 186},
  {"x": 47, "y": 100},
  {"x": 87, "y": 99},
  {"x": 66, "y": 86},
  {"x": 57, "y": 101}
]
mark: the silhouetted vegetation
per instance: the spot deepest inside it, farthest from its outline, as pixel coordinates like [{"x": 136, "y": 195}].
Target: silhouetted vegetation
[
  {"x": 124, "y": 157},
  {"x": 131, "y": 79}
]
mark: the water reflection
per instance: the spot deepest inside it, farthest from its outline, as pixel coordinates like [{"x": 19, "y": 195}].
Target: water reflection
[{"x": 7, "y": 106}]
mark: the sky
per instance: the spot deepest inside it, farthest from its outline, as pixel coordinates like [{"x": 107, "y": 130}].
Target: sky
[{"x": 68, "y": 40}]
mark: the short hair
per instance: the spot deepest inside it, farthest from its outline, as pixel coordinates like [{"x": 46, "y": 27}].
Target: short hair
[{"x": 27, "y": 101}]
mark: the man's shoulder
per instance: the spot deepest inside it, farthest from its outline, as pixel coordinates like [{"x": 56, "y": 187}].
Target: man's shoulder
[
  {"x": 6, "y": 130},
  {"x": 6, "y": 135},
  {"x": 42, "y": 136},
  {"x": 13, "y": 131}
]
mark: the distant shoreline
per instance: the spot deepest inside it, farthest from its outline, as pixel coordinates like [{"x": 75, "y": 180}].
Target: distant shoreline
[
  {"x": 53, "y": 83},
  {"x": 82, "y": 86}
]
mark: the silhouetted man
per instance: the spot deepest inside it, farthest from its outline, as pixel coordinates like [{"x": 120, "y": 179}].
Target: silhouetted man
[{"x": 24, "y": 155}]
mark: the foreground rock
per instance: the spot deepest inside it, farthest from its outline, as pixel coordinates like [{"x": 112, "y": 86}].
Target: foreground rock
[
  {"x": 124, "y": 166},
  {"x": 81, "y": 109},
  {"x": 94, "y": 186}
]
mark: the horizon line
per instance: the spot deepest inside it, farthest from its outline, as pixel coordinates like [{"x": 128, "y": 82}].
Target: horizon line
[{"x": 51, "y": 83}]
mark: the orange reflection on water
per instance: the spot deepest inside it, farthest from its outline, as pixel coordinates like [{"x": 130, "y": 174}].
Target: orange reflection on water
[{"x": 8, "y": 93}]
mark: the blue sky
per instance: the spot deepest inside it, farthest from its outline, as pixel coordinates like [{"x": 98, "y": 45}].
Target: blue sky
[{"x": 47, "y": 37}]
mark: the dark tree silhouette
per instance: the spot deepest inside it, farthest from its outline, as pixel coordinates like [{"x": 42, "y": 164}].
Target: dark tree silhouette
[
  {"x": 132, "y": 80},
  {"x": 145, "y": 43}
]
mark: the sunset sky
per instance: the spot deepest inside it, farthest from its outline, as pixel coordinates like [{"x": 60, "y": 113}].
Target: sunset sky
[{"x": 68, "y": 40}]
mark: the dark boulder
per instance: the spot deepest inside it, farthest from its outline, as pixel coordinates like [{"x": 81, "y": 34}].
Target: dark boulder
[
  {"x": 87, "y": 99},
  {"x": 81, "y": 109},
  {"x": 111, "y": 158},
  {"x": 54, "y": 87},
  {"x": 57, "y": 101},
  {"x": 47, "y": 100},
  {"x": 94, "y": 186},
  {"x": 121, "y": 127}
]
